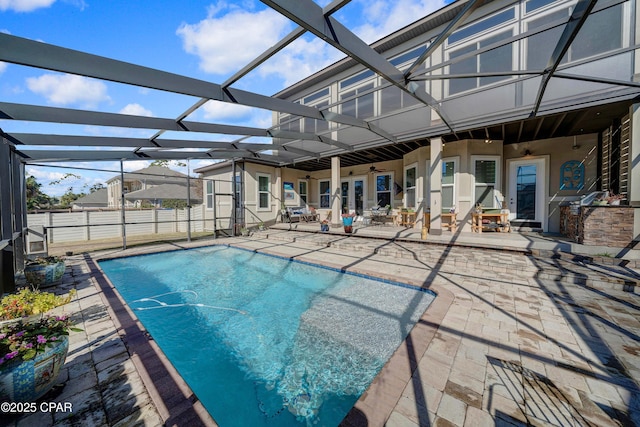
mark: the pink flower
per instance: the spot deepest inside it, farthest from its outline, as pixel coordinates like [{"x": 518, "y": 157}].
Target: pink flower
[
  {"x": 41, "y": 339},
  {"x": 11, "y": 355}
]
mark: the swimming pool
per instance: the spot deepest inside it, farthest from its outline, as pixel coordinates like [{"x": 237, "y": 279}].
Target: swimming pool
[{"x": 265, "y": 341}]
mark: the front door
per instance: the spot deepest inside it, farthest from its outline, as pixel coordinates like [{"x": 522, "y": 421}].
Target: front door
[
  {"x": 527, "y": 191},
  {"x": 353, "y": 194}
]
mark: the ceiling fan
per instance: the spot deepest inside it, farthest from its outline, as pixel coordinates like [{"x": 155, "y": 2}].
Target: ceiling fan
[
  {"x": 373, "y": 169},
  {"x": 307, "y": 177}
]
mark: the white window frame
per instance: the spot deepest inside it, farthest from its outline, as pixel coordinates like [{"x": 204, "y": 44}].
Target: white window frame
[
  {"x": 455, "y": 160},
  {"x": 406, "y": 187},
  {"x": 375, "y": 187},
  {"x": 303, "y": 197},
  {"x": 373, "y": 80},
  {"x": 478, "y": 85},
  {"x": 259, "y": 192},
  {"x": 496, "y": 185},
  {"x": 324, "y": 195},
  {"x": 209, "y": 183}
]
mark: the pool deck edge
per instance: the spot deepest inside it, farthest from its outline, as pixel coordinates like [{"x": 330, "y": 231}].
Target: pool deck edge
[{"x": 174, "y": 400}]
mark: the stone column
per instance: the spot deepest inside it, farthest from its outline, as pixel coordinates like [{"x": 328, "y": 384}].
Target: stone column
[
  {"x": 435, "y": 184},
  {"x": 634, "y": 167}
]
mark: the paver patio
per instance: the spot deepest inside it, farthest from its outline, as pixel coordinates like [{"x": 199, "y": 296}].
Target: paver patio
[{"x": 513, "y": 338}]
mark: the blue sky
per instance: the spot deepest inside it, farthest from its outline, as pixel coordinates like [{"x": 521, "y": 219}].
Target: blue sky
[{"x": 206, "y": 40}]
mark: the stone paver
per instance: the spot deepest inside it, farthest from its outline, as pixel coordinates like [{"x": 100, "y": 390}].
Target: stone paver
[{"x": 540, "y": 339}]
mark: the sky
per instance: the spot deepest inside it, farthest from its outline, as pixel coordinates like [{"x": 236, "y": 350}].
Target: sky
[{"x": 206, "y": 40}]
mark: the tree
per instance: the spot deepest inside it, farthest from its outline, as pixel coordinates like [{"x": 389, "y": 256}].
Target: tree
[
  {"x": 69, "y": 197},
  {"x": 36, "y": 199},
  {"x": 166, "y": 163},
  {"x": 174, "y": 204},
  {"x": 96, "y": 187}
]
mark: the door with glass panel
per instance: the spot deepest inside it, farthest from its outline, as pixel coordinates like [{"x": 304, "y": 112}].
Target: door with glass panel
[
  {"x": 527, "y": 183},
  {"x": 353, "y": 194}
]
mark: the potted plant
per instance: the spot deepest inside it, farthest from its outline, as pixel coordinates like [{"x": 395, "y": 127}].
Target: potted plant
[
  {"x": 614, "y": 199},
  {"x": 27, "y": 302},
  {"x": 261, "y": 226},
  {"x": 44, "y": 271},
  {"x": 32, "y": 349}
]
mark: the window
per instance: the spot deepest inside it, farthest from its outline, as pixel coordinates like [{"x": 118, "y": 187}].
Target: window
[
  {"x": 314, "y": 125},
  {"x": 410, "y": 187},
  {"x": 495, "y": 60},
  {"x": 449, "y": 172},
  {"x": 264, "y": 194},
  {"x": 486, "y": 171},
  {"x": 238, "y": 182},
  {"x": 302, "y": 192},
  {"x": 287, "y": 122},
  {"x": 601, "y": 32},
  {"x": 537, "y": 4},
  {"x": 383, "y": 189},
  {"x": 481, "y": 26},
  {"x": 356, "y": 105},
  {"x": 325, "y": 194},
  {"x": 365, "y": 75},
  {"x": 209, "y": 194}
]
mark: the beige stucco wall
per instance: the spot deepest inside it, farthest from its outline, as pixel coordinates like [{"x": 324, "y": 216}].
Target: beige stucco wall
[{"x": 558, "y": 151}]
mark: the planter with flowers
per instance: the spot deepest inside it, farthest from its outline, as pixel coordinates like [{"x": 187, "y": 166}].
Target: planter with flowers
[
  {"x": 44, "y": 271},
  {"x": 324, "y": 226},
  {"x": 614, "y": 199},
  {"x": 33, "y": 347}
]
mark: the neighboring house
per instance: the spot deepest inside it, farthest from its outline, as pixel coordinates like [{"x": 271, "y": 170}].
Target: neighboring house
[
  {"x": 92, "y": 201},
  {"x": 159, "y": 193},
  {"x": 577, "y": 143},
  {"x": 142, "y": 179}
]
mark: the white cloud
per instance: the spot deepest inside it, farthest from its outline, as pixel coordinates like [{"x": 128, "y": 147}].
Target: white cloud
[
  {"x": 44, "y": 176},
  {"x": 215, "y": 110},
  {"x": 227, "y": 42},
  {"x": 3, "y": 66},
  {"x": 65, "y": 89},
  {"x": 24, "y": 5},
  {"x": 300, "y": 59},
  {"x": 383, "y": 17},
  {"x": 136, "y": 110}
]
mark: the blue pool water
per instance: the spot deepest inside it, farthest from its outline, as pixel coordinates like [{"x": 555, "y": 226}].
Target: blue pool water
[{"x": 264, "y": 341}]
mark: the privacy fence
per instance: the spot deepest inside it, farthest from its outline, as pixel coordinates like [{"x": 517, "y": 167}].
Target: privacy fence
[{"x": 96, "y": 225}]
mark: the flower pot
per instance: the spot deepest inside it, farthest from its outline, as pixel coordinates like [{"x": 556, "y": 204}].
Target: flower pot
[
  {"x": 44, "y": 274},
  {"x": 324, "y": 227},
  {"x": 27, "y": 381}
]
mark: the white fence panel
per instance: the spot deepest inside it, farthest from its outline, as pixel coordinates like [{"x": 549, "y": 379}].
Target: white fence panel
[
  {"x": 113, "y": 229},
  {"x": 145, "y": 220},
  {"x": 70, "y": 233},
  {"x": 166, "y": 215}
]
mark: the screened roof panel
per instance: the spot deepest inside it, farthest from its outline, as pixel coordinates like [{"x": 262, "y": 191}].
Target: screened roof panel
[{"x": 584, "y": 62}]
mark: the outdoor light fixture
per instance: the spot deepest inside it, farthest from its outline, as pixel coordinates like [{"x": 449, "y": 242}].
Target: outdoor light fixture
[{"x": 575, "y": 145}]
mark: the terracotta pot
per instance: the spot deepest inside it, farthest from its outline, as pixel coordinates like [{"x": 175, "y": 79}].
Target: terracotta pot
[{"x": 27, "y": 381}]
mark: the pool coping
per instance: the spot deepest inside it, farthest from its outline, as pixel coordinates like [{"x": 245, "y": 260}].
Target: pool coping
[{"x": 177, "y": 403}]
